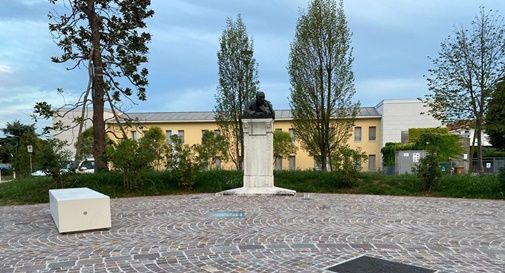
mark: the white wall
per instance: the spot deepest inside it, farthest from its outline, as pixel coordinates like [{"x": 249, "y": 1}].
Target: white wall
[
  {"x": 70, "y": 136},
  {"x": 401, "y": 115}
]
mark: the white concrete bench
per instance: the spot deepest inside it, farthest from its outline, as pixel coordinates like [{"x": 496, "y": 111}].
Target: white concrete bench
[{"x": 79, "y": 209}]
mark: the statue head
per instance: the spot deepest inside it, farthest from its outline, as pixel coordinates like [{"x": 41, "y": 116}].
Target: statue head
[{"x": 260, "y": 97}]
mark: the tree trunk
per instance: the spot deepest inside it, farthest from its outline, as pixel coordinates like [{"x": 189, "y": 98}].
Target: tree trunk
[
  {"x": 479, "y": 149},
  {"x": 472, "y": 151},
  {"x": 98, "y": 89}
]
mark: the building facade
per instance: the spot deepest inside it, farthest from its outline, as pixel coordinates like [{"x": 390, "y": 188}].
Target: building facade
[{"x": 374, "y": 126}]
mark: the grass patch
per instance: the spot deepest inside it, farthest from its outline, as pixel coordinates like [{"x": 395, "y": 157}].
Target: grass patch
[{"x": 35, "y": 189}]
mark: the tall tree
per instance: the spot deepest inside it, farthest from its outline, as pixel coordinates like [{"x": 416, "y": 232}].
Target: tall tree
[
  {"x": 322, "y": 81},
  {"x": 238, "y": 84},
  {"x": 495, "y": 117},
  {"x": 465, "y": 73},
  {"x": 17, "y": 137},
  {"x": 106, "y": 36}
]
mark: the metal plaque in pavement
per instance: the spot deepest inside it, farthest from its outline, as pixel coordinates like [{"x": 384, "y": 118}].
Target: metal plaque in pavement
[
  {"x": 365, "y": 264},
  {"x": 226, "y": 214}
]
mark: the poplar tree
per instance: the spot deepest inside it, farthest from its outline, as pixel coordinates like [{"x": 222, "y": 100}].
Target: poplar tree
[
  {"x": 322, "y": 81},
  {"x": 238, "y": 85}
]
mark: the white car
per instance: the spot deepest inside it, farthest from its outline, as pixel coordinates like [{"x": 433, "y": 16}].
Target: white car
[
  {"x": 86, "y": 166},
  {"x": 40, "y": 173}
]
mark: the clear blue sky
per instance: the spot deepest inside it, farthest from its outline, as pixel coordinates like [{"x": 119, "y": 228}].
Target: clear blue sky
[{"x": 391, "y": 38}]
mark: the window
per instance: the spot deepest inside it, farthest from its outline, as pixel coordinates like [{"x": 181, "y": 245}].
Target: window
[
  {"x": 371, "y": 133},
  {"x": 168, "y": 134},
  {"x": 278, "y": 163},
  {"x": 203, "y": 133},
  {"x": 217, "y": 132},
  {"x": 292, "y": 163},
  {"x": 181, "y": 135},
  {"x": 357, "y": 133},
  {"x": 278, "y": 129},
  {"x": 371, "y": 162},
  {"x": 292, "y": 134},
  {"x": 134, "y": 135}
]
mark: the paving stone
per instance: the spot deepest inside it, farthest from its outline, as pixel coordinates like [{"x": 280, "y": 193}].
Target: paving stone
[{"x": 279, "y": 234}]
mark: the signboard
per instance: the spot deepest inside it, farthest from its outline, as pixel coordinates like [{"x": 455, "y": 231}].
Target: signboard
[
  {"x": 488, "y": 165},
  {"x": 416, "y": 157},
  {"x": 29, "y": 148}
]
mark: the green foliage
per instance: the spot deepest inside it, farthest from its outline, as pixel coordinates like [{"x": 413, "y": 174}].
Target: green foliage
[
  {"x": 435, "y": 140},
  {"x": 34, "y": 189},
  {"x": 52, "y": 157},
  {"x": 283, "y": 145},
  {"x": 492, "y": 152},
  {"x": 495, "y": 117},
  {"x": 429, "y": 172},
  {"x": 347, "y": 162},
  {"x": 445, "y": 146},
  {"x": 84, "y": 144},
  {"x": 390, "y": 149},
  {"x": 313, "y": 181},
  {"x": 322, "y": 81},
  {"x": 465, "y": 72},
  {"x": 21, "y": 157},
  {"x": 468, "y": 186},
  {"x": 106, "y": 37},
  {"x": 415, "y": 133},
  {"x": 154, "y": 147},
  {"x": 238, "y": 84},
  {"x": 10, "y": 144},
  {"x": 133, "y": 158},
  {"x": 183, "y": 163},
  {"x": 214, "y": 146}
]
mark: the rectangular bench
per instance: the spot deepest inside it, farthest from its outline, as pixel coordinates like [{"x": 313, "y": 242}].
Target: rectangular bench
[{"x": 79, "y": 209}]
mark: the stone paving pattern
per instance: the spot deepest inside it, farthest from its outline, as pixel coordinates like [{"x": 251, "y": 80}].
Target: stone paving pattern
[{"x": 278, "y": 234}]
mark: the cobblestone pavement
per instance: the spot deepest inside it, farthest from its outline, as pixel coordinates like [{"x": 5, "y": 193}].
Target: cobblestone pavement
[{"x": 278, "y": 234}]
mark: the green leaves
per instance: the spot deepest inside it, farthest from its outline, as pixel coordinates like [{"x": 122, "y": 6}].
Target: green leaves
[
  {"x": 238, "y": 84},
  {"x": 322, "y": 81},
  {"x": 283, "y": 145},
  {"x": 495, "y": 118},
  {"x": 124, "y": 45}
]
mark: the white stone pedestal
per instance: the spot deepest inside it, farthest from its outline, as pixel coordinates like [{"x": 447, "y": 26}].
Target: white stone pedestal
[
  {"x": 79, "y": 209},
  {"x": 258, "y": 160}
]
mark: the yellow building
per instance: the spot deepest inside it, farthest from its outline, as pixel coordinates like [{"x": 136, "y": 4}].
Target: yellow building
[{"x": 190, "y": 126}]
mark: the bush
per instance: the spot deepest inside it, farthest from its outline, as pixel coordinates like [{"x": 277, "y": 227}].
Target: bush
[
  {"x": 469, "y": 186},
  {"x": 183, "y": 163},
  {"x": 429, "y": 172}
]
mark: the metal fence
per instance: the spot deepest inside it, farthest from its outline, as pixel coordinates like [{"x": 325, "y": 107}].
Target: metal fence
[{"x": 491, "y": 164}]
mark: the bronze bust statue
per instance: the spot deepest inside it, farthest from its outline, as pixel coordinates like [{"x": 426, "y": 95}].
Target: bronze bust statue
[{"x": 259, "y": 108}]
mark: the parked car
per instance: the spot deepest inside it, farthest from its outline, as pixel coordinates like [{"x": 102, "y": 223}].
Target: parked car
[
  {"x": 40, "y": 173},
  {"x": 86, "y": 166}
]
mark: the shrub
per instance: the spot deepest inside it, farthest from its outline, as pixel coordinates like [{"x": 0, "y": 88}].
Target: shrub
[
  {"x": 429, "y": 172},
  {"x": 183, "y": 163}
]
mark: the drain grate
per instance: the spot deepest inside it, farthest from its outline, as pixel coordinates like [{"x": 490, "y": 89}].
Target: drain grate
[
  {"x": 226, "y": 214},
  {"x": 365, "y": 264}
]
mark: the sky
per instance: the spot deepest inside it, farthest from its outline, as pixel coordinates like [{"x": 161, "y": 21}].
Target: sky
[{"x": 391, "y": 42}]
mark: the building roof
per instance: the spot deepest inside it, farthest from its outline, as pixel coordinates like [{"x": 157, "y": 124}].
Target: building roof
[{"x": 208, "y": 116}]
